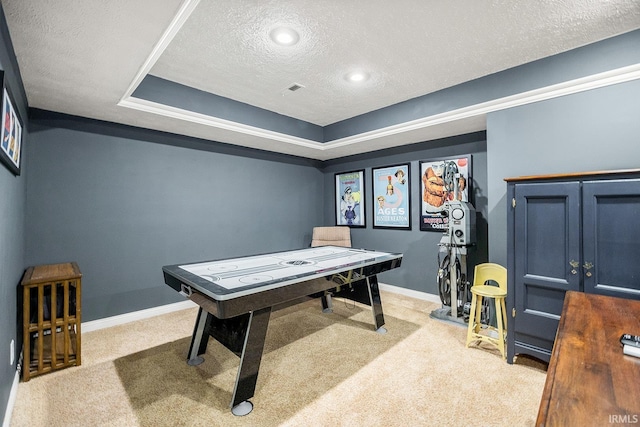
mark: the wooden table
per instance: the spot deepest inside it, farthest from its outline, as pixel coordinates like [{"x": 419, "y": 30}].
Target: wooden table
[{"x": 589, "y": 380}]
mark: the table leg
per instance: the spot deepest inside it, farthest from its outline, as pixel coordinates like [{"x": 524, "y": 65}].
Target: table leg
[
  {"x": 366, "y": 291},
  {"x": 376, "y": 304},
  {"x": 327, "y": 304},
  {"x": 199, "y": 339},
  {"x": 245, "y": 385}
]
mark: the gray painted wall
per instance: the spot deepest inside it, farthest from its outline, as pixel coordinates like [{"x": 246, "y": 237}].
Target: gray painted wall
[
  {"x": 12, "y": 204},
  {"x": 589, "y": 131},
  {"x": 122, "y": 208},
  {"x": 12, "y": 226},
  {"x": 420, "y": 248},
  {"x": 122, "y": 203}
]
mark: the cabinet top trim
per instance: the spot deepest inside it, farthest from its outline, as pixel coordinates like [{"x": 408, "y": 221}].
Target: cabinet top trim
[{"x": 574, "y": 175}]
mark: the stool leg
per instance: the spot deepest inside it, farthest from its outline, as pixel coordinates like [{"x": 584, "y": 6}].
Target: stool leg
[
  {"x": 472, "y": 317},
  {"x": 504, "y": 317},
  {"x": 478, "y": 308},
  {"x": 499, "y": 318}
]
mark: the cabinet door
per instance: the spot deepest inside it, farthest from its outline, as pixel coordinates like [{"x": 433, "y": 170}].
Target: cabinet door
[
  {"x": 611, "y": 237},
  {"x": 547, "y": 242}
]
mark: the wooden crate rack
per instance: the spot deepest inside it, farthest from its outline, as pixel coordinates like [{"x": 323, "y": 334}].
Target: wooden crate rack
[{"x": 51, "y": 318}]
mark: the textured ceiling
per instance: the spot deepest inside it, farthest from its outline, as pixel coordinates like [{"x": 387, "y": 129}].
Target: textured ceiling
[{"x": 84, "y": 58}]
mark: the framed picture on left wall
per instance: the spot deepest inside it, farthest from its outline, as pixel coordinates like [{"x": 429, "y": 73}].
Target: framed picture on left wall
[
  {"x": 11, "y": 142},
  {"x": 350, "y": 198}
]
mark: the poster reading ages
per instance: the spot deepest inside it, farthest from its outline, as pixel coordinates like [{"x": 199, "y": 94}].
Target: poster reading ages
[
  {"x": 350, "y": 199},
  {"x": 391, "y": 197},
  {"x": 442, "y": 180}
]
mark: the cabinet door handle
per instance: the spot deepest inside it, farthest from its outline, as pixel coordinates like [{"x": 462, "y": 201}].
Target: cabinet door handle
[
  {"x": 588, "y": 266},
  {"x": 574, "y": 264}
]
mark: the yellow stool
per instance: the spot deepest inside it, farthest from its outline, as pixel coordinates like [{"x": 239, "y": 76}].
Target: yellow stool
[{"x": 483, "y": 273}]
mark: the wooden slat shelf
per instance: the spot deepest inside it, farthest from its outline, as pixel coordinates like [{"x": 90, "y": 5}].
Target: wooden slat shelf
[
  {"x": 47, "y": 325},
  {"x": 52, "y": 302}
]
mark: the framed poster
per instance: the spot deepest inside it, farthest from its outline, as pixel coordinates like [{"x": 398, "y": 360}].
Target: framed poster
[
  {"x": 442, "y": 179},
  {"x": 391, "y": 197},
  {"x": 11, "y": 142},
  {"x": 350, "y": 198}
]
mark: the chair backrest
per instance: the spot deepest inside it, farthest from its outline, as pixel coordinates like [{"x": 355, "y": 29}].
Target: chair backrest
[
  {"x": 490, "y": 272},
  {"x": 337, "y": 236}
]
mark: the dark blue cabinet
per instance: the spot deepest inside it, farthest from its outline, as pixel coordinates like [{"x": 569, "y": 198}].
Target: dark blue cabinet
[{"x": 577, "y": 233}]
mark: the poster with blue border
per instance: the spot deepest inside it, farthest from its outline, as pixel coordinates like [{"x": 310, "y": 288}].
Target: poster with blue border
[
  {"x": 350, "y": 198},
  {"x": 391, "y": 197}
]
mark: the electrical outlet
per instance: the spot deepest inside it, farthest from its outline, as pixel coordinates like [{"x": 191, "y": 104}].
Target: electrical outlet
[{"x": 12, "y": 356}]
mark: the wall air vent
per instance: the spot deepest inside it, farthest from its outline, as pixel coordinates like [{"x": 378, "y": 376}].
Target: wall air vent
[{"x": 294, "y": 87}]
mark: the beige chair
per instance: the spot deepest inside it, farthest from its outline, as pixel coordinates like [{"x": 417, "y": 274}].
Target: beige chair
[
  {"x": 336, "y": 236},
  {"x": 487, "y": 273},
  {"x": 333, "y": 236}
]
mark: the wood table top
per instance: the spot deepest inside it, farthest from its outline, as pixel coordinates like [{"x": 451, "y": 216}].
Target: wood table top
[
  {"x": 589, "y": 380},
  {"x": 51, "y": 272}
]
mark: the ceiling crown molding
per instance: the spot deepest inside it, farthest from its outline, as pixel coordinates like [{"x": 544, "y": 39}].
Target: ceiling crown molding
[{"x": 595, "y": 81}]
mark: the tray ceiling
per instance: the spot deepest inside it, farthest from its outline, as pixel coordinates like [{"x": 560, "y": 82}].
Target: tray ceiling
[{"x": 87, "y": 59}]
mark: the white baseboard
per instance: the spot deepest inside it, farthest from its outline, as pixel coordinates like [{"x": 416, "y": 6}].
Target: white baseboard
[
  {"x": 409, "y": 293},
  {"x": 121, "y": 319},
  {"x": 12, "y": 400}
]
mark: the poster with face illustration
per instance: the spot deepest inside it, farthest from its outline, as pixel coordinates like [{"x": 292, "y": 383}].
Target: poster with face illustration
[
  {"x": 442, "y": 180},
  {"x": 391, "y": 197},
  {"x": 11, "y": 140},
  {"x": 350, "y": 198}
]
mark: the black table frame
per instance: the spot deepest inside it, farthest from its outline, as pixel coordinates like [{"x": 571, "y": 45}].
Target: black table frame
[{"x": 240, "y": 323}]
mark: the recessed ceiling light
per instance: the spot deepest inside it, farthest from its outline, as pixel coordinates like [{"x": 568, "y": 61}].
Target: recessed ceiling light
[
  {"x": 357, "y": 76},
  {"x": 284, "y": 36}
]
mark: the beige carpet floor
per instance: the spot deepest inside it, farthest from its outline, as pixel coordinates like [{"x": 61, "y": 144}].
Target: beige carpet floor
[{"x": 317, "y": 370}]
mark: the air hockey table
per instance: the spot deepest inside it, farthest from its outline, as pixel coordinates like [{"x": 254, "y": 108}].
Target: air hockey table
[{"x": 236, "y": 297}]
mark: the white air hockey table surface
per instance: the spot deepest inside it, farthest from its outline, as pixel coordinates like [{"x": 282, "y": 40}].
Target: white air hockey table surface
[{"x": 236, "y": 277}]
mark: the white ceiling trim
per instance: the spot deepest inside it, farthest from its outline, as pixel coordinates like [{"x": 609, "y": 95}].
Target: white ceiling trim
[
  {"x": 473, "y": 111},
  {"x": 186, "y": 9},
  {"x": 619, "y": 75},
  {"x": 203, "y": 119},
  {"x": 595, "y": 81}
]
